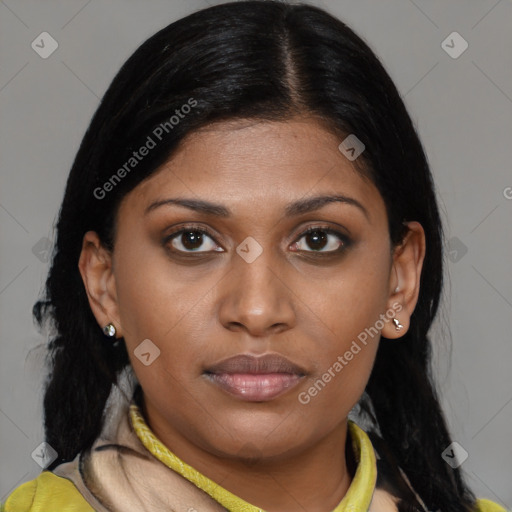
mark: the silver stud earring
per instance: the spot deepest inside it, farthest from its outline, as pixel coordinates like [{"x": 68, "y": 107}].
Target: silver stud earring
[
  {"x": 109, "y": 330},
  {"x": 398, "y": 325}
]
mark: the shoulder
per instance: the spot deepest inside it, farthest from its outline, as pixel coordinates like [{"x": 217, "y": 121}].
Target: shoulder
[
  {"x": 488, "y": 506},
  {"x": 46, "y": 493},
  {"x": 395, "y": 487}
]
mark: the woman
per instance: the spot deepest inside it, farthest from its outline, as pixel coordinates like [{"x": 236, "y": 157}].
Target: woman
[{"x": 248, "y": 248}]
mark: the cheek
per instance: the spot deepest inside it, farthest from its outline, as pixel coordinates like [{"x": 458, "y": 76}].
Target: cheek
[
  {"x": 152, "y": 296},
  {"x": 166, "y": 306},
  {"x": 350, "y": 300},
  {"x": 143, "y": 293},
  {"x": 346, "y": 326},
  {"x": 343, "y": 367}
]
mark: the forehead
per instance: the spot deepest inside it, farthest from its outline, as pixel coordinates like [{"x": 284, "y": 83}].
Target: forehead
[
  {"x": 254, "y": 163},
  {"x": 296, "y": 150}
]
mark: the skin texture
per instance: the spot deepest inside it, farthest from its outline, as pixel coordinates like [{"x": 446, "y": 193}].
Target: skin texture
[{"x": 199, "y": 309}]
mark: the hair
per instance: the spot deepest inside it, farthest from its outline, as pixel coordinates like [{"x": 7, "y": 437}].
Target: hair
[{"x": 261, "y": 60}]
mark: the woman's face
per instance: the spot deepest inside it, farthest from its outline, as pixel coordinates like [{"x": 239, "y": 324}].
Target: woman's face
[{"x": 252, "y": 282}]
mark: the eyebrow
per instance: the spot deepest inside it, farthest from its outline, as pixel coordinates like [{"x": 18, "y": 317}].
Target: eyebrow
[{"x": 296, "y": 208}]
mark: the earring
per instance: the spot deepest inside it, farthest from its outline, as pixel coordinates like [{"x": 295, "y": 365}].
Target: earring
[
  {"x": 398, "y": 325},
  {"x": 109, "y": 330}
]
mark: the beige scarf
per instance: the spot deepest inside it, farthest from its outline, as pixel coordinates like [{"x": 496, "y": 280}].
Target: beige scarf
[{"x": 118, "y": 474}]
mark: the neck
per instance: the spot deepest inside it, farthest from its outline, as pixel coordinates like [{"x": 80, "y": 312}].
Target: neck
[{"x": 314, "y": 479}]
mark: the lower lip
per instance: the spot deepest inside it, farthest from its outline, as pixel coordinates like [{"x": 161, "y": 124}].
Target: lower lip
[{"x": 255, "y": 387}]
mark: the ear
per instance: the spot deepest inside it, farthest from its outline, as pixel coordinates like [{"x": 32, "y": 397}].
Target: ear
[
  {"x": 95, "y": 265},
  {"x": 404, "y": 281}
]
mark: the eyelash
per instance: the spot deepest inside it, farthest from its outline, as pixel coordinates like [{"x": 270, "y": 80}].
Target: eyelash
[{"x": 345, "y": 240}]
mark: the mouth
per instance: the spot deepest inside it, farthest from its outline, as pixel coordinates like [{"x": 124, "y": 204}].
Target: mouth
[{"x": 255, "y": 379}]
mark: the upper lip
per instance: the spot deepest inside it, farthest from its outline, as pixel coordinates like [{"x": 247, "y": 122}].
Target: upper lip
[{"x": 247, "y": 363}]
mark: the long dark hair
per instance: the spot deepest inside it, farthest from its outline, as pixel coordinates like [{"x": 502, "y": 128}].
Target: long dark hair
[{"x": 261, "y": 60}]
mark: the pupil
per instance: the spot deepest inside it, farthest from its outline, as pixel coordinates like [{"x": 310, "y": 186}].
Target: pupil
[
  {"x": 192, "y": 240},
  {"x": 317, "y": 239}
]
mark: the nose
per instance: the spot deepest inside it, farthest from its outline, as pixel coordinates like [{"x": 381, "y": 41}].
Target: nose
[{"x": 256, "y": 298}]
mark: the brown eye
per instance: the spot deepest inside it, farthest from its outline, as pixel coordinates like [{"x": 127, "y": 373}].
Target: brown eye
[
  {"x": 192, "y": 240},
  {"x": 321, "y": 240},
  {"x": 317, "y": 240}
]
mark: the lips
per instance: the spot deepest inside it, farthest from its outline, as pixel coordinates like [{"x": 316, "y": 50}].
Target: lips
[
  {"x": 246, "y": 363},
  {"x": 253, "y": 378}
]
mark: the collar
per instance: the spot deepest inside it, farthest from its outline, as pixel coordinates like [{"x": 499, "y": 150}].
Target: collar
[{"x": 357, "y": 499}]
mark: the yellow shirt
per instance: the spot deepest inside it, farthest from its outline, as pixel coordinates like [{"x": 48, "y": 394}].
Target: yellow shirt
[{"x": 51, "y": 493}]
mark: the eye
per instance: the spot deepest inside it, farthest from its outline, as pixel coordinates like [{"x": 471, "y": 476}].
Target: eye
[
  {"x": 322, "y": 240},
  {"x": 192, "y": 240},
  {"x": 316, "y": 239}
]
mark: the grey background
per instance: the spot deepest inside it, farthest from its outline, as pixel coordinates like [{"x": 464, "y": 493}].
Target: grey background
[{"x": 462, "y": 108}]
